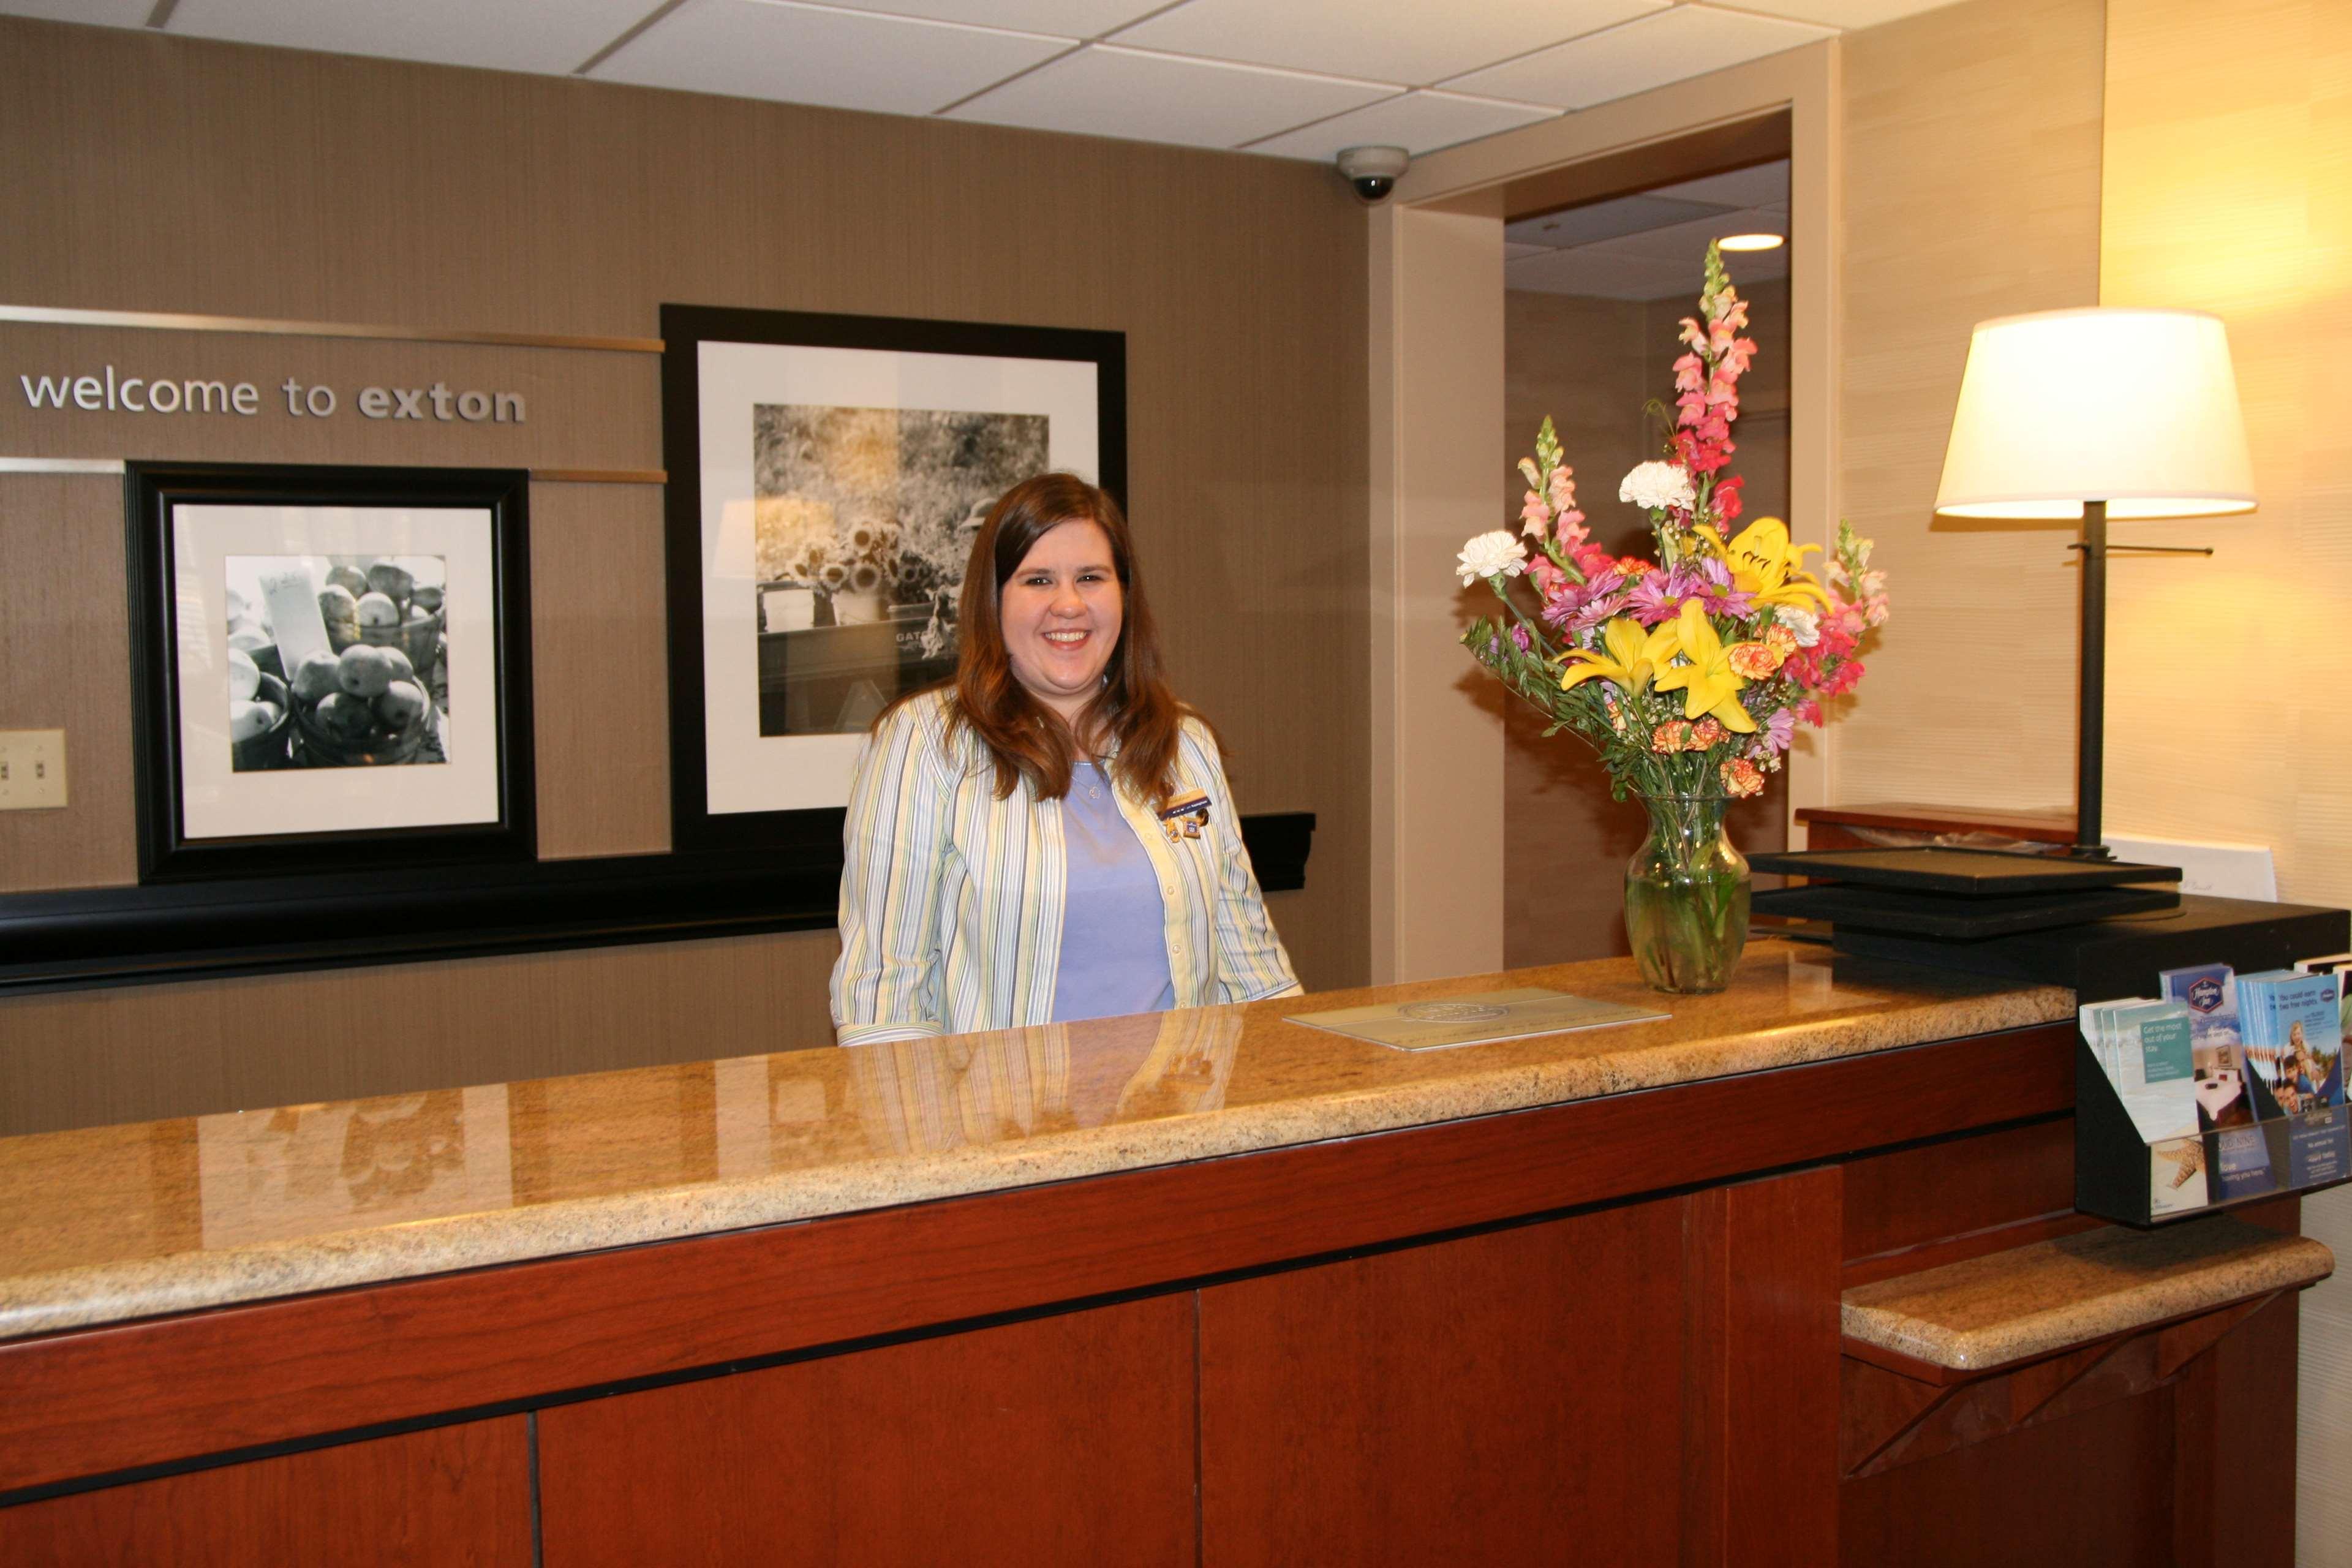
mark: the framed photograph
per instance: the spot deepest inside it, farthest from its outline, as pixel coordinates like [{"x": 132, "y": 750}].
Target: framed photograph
[
  {"x": 827, "y": 476},
  {"x": 332, "y": 668}
]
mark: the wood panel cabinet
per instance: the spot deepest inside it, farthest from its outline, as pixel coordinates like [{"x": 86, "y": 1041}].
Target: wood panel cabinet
[
  {"x": 449, "y": 1497},
  {"x": 1509, "y": 1398},
  {"x": 1606, "y": 1330},
  {"x": 1061, "y": 1439}
]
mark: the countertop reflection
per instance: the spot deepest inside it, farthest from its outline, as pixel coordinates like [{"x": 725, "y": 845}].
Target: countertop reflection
[{"x": 108, "y": 1224}]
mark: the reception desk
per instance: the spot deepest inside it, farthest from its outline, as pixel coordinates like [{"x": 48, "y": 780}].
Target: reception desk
[{"x": 1205, "y": 1287}]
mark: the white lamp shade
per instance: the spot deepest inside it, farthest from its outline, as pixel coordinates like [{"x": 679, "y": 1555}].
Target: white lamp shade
[{"x": 2136, "y": 408}]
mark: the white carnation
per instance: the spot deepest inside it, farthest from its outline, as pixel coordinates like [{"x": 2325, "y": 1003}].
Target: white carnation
[
  {"x": 1803, "y": 624},
  {"x": 1658, "y": 487},
  {"x": 1490, "y": 555}
]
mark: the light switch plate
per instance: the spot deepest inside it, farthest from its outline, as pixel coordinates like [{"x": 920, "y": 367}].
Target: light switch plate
[{"x": 32, "y": 769}]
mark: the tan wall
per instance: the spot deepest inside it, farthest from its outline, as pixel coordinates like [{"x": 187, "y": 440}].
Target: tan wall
[
  {"x": 1971, "y": 185},
  {"x": 2229, "y": 188},
  {"x": 1592, "y": 365},
  {"x": 152, "y": 172}
]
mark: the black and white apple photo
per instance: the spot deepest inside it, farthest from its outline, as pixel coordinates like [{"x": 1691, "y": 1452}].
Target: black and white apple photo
[{"x": 336, "y": 660}]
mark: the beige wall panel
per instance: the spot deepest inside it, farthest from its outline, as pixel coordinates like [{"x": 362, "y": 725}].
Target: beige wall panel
[
  {"x": 600, "y": 663},
  {"x": 1971, "y": 190},
  {"x": 2228, "y": 182},
  {"x": 1446, "y": 730},
  {"x": 65, "y": 664},
  {"x": 160, "y": 173},
  {"x": 144, "y": 1052}
]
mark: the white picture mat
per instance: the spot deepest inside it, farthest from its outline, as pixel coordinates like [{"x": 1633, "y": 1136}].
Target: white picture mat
[
  {"x": 215, "y": 801},
  {"x": 747, "y": 771}
]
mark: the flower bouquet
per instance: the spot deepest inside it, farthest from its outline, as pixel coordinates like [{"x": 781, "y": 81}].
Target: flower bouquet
[{"x": 1688, "y": 674}]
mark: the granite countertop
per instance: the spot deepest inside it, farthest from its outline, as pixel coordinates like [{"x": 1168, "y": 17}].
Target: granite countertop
[
  {"x": 2057, "y": 1295},
  {"x": 110, "y": 1224}
]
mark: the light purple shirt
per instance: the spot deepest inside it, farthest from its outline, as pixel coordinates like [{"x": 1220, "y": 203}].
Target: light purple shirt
[{"x": 1113, "y": 956}]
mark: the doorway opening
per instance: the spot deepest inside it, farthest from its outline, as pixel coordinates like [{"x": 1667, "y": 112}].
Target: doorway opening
[{"x": 1602, "y": 263}]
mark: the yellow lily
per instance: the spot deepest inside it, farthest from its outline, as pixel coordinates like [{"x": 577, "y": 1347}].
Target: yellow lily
[
  {"x": 1708, "y": 682},
  {"x": 1764, "y": 563},
  {"x": 1628, "y": 656}
]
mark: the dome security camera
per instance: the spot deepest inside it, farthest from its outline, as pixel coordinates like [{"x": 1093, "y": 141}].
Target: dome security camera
[{"x": 1373, "y": 171}]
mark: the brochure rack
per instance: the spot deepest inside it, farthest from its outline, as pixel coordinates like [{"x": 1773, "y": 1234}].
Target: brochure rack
[{"x": 2119, "y": 1177}]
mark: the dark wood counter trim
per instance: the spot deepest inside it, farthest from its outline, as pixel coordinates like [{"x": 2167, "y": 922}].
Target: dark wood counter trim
[{"x": 102, "y": 1401}]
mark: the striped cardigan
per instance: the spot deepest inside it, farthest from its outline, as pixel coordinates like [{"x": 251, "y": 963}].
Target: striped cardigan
[{"x": 951, "y": 900}]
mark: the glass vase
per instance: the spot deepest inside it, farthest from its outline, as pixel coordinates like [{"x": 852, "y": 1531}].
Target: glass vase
[{"x": 1686, "y": 895}]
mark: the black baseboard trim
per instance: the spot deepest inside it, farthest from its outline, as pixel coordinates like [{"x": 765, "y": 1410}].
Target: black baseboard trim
[{"x": 83, "y": 938}]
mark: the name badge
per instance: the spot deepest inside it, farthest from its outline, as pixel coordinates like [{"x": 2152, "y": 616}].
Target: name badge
[{"x": 1185, "y": 815}]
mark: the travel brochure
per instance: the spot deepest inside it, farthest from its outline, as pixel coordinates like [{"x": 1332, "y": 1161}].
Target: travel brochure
[{"x": 2235, "y": 1082}]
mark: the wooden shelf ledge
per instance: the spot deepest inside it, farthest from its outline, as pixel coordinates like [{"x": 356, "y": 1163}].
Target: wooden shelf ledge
[
  {"x": 1969, "y": 1318},
  {"x": 1950, "y": 1356}
]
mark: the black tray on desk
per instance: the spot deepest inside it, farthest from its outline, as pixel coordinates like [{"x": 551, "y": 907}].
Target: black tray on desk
[
  {"x": 1948, "y": 918},
  {"x": 1962, "y": 873}
]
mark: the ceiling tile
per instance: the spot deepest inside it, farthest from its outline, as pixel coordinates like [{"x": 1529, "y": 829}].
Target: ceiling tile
[
  {"x": 503, "y": 35},
  {"x": 1410, "y": 41},
  {"x": 808, "y": 54},
  {"x": 1766, "y": 185},
  {"x": 1584, "y": 272},
  {"x": 1849, "y": 14},
  {"x": 1683, "y": 244},
  {"x": 1103, "y": 90},
  {"x": 98, "y": 13},
  {"x": 1064, "y": 18},
  {"x": 1688, "y": 41},
  {"x": 1418, "y": 122},
  {"x": 1605, "y": 220}
]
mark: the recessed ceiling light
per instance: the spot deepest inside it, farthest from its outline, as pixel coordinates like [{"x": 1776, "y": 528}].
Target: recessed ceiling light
[{"x": 1752, "y": 241}]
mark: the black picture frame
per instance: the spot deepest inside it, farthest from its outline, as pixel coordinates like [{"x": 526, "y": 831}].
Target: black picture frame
[
  {"x": 498, "y": 827},
  {"x": 807, "y": 838}
]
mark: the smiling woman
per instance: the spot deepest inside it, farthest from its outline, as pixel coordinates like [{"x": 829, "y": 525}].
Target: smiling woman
[{"x": 1050, "y": 836}]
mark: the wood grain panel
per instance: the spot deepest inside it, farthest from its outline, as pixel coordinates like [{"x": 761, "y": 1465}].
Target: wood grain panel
[
  {"x": 582, "y": 408},
  {"x": 102, "y": 1399},
  {"x": 65, "y": 664},
  {"x": 1971, "y": 190},
  {"x": 1957, "y": 1187},
  {"x": 1759, "y": 1345},
  {"x": 2093, "y": 1489},
  {"x": 1505, "y": 1399},
  {"x": 1065, "y": 1439},
  {"x": 449, "y": 1497},
  {"x": 1590, "y": 365},
  {"x": 2227, "y": 182},
  {"x": 88, "y": 1058},
  {"x": 2235, "y": 1475},
  {"x": 340, "y": 189},
  {"x": 601, "y": 703}
]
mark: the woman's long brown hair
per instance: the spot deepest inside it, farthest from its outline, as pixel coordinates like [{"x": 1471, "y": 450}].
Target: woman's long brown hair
[{"x": 1025, "y": 738}]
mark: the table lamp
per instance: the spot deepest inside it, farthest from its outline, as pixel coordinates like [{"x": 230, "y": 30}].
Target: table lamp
[{"x": 2097, "y": 414}]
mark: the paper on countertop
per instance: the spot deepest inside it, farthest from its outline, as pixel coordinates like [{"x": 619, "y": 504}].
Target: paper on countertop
[{"x": 1476, "y": 1020}]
